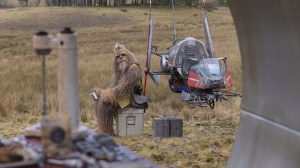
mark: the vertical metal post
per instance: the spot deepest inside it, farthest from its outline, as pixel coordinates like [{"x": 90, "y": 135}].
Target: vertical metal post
[
  {"x": 44, "y": 86},
  {"x": 43, "y": 43},
  {"x": 174, "y": 24},
  {"x": 68, "y": 97}
]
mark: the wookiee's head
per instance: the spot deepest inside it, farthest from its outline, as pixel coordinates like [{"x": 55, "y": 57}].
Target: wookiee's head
[{"x": 123, "y": 58}]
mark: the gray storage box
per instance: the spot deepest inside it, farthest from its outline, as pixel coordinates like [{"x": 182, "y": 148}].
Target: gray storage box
[
  {"x": 130, "y": 121},
  {"x": 167, "y": 127}
]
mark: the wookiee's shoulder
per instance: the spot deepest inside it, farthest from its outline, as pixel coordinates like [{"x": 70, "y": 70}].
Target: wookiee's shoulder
[
  {"x": 134, "y": 69},
  {"x": 135, "y": 65}
]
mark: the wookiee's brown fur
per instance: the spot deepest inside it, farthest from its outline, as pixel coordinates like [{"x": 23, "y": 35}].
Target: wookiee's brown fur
[{"x": 122, "y": 85}]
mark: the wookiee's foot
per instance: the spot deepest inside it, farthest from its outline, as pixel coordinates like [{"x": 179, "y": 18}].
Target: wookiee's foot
[
  {"x": 99, "y": 131},
  {"x": 108, "y": 132}
]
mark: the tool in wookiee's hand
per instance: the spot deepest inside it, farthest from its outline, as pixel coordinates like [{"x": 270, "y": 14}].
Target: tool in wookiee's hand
[{"x": 94, "y": 95}]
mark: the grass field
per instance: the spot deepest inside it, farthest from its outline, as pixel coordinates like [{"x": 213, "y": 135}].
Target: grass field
[{"x": 208, "y": 134}]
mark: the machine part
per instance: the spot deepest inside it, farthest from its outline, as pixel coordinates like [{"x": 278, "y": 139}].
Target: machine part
[
  {"x": 269, "y": 38},
  {"x": 74, "y": 163},
  {"x": 155, "y": 78},
  {"x": 57, "y": 134},
  {"x": 68, "y": 96},
  {"x": 185, "y": 96},
  {"x": 211, "y": 104},
  {"x": 202, "y": 98},
  {"x": 176, "y": 83},
  {"x": 172, "y": 86},
  {"x": 164, "y": 64},
  {"x": 185, "y": 67},
  {"x": 56, "y": 137},
  {"x": 43, "y": 43},
  {"x": 209, "y": 44},
  {"x": 44, "y": 86},
  {"x": 174, "y": 24}
]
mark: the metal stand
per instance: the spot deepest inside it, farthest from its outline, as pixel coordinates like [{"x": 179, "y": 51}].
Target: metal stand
[
  {"x": 68, "y": 88},
  {"x": 68, "y": 96},
  {"x": 44, "y": 86}
]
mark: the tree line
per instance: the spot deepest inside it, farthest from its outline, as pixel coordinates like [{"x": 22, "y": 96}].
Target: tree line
[{"x": 192, "y": 3}]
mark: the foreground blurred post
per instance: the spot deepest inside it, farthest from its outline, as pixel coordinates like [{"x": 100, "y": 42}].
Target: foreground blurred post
[
  {"x": 42, "y": 45},
  {"x": 269, "y": 37},
  {"x": 68, "y": 97}
]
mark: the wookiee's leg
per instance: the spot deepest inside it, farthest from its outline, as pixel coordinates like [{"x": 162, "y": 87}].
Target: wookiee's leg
[{"x": 105, "y": 113}]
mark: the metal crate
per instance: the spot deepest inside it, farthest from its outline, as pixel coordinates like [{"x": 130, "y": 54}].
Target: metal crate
[
  {"x": 167, "y": 127},
  {"x": 130, "y": 121}
]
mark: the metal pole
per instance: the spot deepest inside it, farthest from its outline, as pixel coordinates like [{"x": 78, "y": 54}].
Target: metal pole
[
  {"x": 68, "y": 97},
  {"x": 43, "y": 44},
  {"x": 174, "y": 23},
  {"x": 44, "y": 86}
]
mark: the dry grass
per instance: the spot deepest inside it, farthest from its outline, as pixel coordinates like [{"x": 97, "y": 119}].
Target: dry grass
[{"x": 208, "y": 134}]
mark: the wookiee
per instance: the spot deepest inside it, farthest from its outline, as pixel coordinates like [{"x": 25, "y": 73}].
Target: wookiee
[{"x": 126, "y": 81}]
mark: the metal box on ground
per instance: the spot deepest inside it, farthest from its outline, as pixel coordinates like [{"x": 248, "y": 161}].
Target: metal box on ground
[
  {"x": 167, "y": 127},
  {"x": 130, "y": 121}
]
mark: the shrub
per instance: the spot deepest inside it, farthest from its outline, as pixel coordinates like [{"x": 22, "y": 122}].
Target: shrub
[
  {"x": 29, "y": 2},
  {"x": 36, "y": 2},
  {"x": 23, "y": 2},
  {"x": 123, "y": 10},
  {"x": 3, "y": 3}
]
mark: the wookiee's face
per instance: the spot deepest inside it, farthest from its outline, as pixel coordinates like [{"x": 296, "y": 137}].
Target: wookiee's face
[
  {"x": 121, "y": 57},
  {"x": 122, "y": 62}
]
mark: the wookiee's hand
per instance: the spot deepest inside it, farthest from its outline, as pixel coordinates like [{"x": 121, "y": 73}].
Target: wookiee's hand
[
  {"x": 98, "y": 92},
  {"x": 108, "y": 96}
]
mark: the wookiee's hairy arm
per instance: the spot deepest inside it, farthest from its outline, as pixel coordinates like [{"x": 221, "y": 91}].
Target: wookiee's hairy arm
[{"x": 127, "y": 82}]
